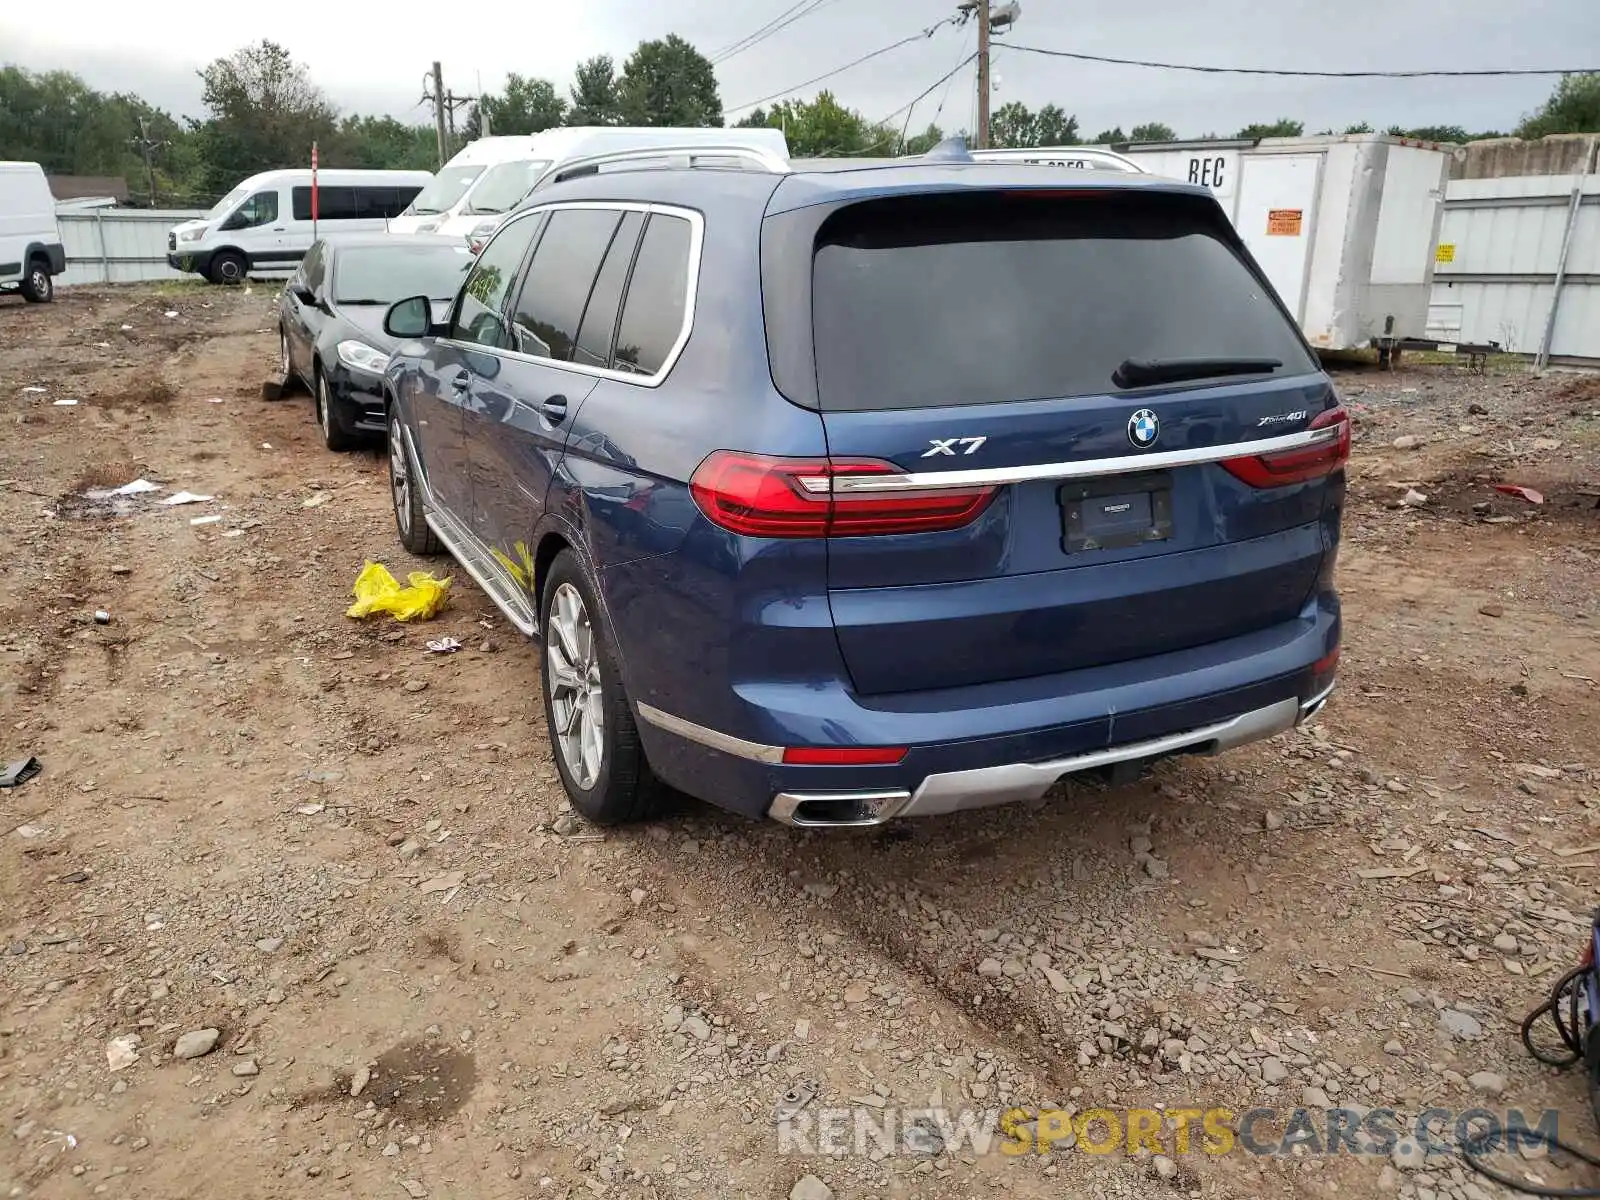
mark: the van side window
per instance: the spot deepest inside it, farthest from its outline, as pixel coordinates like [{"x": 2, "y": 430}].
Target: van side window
[
  {"x": 260, "y": 209},
  {"x": 478, "y": 316},
  {"x": 653, "y": 315},
  {"x": 559, "y": 281}
]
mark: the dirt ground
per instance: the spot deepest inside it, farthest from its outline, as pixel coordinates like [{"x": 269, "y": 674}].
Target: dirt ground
[{"x": 352, "y": 859}]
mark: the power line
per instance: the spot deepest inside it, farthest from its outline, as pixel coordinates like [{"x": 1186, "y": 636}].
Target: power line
[
  {"x": 917, "y": 99},
  {"x": 804, "y": 8},
  {"x": 1206, "y": 70},
  {"x": 925, "y": 33}
]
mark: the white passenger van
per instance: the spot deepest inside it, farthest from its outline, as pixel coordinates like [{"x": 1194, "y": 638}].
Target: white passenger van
[
  {"x": 490, "y": 176},
  {"x": 264, "y": 225},
  {"x": 30, "y": 242}
]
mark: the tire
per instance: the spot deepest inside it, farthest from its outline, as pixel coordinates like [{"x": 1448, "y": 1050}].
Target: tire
[
  {"x": 405, "y": 494},
  {"x": 607, "y": 778},
  {"x": 37, "y": 286},
  {"x": 331, "y": 417},
  {"x": 291, "y": 379},
  {"x": 228, "y": 267}
]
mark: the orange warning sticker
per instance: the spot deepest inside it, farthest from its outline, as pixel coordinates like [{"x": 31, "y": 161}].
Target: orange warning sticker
[{"x": 1283, "y": 222}]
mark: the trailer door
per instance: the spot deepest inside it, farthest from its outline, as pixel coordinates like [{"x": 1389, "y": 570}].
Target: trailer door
[{"x": 1276, "y": 216}]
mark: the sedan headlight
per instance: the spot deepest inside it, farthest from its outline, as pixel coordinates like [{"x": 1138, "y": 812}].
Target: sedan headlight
[
  {"x": 430, "y": 227},
  {"x": 363, "y": 357},
  {"x": 191, "y": 235}
]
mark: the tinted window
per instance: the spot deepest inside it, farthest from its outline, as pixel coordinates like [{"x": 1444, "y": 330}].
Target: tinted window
[
  {"x": 384, "y": 274},
  {"x": 560, "y": 279},
  {"x": 652, "y": 317},
  {"x": 600, "y": 318},
  {"x": 953, "y": 300},
  {"x": 300, "y": 199},
  {"x": 478, "y": 314}
]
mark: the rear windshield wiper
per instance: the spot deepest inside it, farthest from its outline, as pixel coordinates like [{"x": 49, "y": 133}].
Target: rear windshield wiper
[{"x": 1136, "y": 372}]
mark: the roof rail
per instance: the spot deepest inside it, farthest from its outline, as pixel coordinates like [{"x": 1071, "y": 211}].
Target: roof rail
[
  {"x": 672, "y": 156},
  {"x": 1087, "y": 157}
]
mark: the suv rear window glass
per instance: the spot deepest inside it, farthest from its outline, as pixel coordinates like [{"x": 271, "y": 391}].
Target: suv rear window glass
[
  {"x": 923, "y": 302},
  {"x": 652, "y": 316}
]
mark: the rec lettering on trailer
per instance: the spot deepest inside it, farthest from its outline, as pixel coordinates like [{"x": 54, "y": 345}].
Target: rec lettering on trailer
[{"x": 1283, "y": 222}]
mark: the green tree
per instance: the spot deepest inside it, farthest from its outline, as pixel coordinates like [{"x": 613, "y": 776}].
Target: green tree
[
  {"x": 594, "y": 93},
  {"x": 1430, "y": 133},
  {"x": 1574, "y": 107},
  {"x": 1362, "y": 127},
  {"x": 921, "y": 143},
  {"x": 1013, "y": 126},
  {"x": 384, "y": 144},
  {"x": 1154, "y": 131},
  {"x": 1053, "y": 127},
  {"x": 1108, "y": 137},
  {"x": 820, "y": 128},
  {"x": 668, "y": 82},
  {"x": 524, "y": 105},
  {"x": 264, "y": 114},
  {"x": 1283, "y": 127}
]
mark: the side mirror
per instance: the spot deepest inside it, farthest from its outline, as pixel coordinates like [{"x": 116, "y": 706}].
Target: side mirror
[
  {"x": 304, "y": 294},
  {"x": 236, "y": 220},
  {"x": 411, "y": 318}
]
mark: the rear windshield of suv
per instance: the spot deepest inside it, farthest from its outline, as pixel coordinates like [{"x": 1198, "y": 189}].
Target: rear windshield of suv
[{"x": 928, "y": 301}]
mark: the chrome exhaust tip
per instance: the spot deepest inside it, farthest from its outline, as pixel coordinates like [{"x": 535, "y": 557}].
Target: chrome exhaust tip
[{"x": 838, "y": 810}]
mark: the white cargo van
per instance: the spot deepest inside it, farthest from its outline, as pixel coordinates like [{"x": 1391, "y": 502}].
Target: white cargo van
[
  {"x": 264, "y": 225},
  {"x": 490, "y": 176},
  {"x": 30, "y": 242}
]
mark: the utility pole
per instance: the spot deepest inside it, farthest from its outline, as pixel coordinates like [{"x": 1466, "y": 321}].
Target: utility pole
[
  {"x": 438, "y": 111},
  {"x": 146, "y": 145},
  {"x": 983, "y": 74}
]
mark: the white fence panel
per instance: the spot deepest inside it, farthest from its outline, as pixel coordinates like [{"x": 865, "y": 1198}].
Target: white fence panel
[
  {"x": 118, "y": 245},
  {"x": 1499, "y": 250}
]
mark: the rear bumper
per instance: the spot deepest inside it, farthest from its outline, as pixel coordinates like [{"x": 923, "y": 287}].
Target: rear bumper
[
  {"x": 1009, "y": 783},
  {"x": 973, "y": 747}
]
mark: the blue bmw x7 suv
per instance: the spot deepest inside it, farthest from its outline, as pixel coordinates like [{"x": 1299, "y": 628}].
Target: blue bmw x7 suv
[{"x": 843, "y": 492}]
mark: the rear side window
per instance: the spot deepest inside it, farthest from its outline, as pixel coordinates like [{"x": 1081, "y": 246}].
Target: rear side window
[
  {"x": 600, "y": 317},
  {"x": 929, "y": 301},
  {"x": 560, "y": 279},
  {"x": 658, "y": 292}
]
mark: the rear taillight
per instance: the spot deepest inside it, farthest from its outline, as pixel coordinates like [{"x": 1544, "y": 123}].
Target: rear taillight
[
  {"x": 760, "y": 496},
  {"x": 1297, "y": 466}
]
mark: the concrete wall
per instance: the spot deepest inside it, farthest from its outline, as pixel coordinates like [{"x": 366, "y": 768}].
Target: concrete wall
[{"x": 1503, "y": 158}]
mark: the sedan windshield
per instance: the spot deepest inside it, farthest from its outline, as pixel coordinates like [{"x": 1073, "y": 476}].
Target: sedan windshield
[
  {"x": 444, "y": 189},
  {"x": 503, "y": 185},
  {"x": 384, "y": 274}
]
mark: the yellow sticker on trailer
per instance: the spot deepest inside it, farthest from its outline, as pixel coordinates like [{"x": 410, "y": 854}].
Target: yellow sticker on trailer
[
  {"x": 1445, "y": 253},
  {"x": 1283, "y": 222}
]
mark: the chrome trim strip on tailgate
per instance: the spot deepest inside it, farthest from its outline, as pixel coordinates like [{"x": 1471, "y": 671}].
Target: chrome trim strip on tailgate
[{"x": 1122, "y": 464}]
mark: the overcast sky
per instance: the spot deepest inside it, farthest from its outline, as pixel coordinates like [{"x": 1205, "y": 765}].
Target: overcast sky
[{"x": 368, "y": 60}]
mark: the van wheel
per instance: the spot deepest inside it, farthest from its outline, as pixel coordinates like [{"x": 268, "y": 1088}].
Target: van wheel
[
  {"x": 37, "y": 286},
  {"x": 228, "y": 267},
  {"x": 590, "y": 721}
]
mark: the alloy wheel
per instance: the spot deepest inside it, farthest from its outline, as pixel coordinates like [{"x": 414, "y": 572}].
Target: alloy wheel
[
  {"x": 577, "y": 695},
  {"x": 399, "y": 476}
]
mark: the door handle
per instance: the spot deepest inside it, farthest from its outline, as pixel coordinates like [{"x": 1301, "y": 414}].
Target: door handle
[
  {"x": 554, "y": 409},
  {"x": 279, "y": 229},
  {"x": 460, "y": 382}
]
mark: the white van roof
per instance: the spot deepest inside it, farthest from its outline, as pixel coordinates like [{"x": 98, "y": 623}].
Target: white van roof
[
  {"x": 578, "y": 141},
  {"x": 333, "y": 176}
]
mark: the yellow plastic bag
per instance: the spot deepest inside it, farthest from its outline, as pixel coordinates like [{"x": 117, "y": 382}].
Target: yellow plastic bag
[{"x": 377, "y": 591}]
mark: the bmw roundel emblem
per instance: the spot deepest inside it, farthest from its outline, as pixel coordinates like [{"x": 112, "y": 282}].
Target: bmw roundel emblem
[{"x": 1143, "y": 429}]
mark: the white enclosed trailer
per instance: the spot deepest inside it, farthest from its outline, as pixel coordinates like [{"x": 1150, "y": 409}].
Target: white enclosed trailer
[{"x": 1346, "y": 228}]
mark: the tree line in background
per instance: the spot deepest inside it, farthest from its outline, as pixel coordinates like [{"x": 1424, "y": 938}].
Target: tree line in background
[{"x": 262, "y": 111}]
